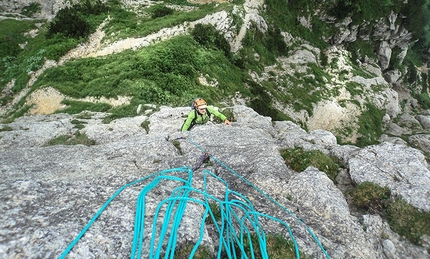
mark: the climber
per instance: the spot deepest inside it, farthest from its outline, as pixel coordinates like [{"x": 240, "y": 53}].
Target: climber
[{"x": 201, "y": 114}]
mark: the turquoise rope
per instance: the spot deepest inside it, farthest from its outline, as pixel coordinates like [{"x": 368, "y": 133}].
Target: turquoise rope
[
  {"x": 238, "y": 216},
  {"x": 261, "y": 192},
  {"x": 229, "y": 236},
  {"x": 73, "y": 243}
]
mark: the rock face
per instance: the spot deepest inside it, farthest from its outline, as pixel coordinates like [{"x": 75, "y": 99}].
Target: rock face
[
  {"x": 48, "y": 8},
  {"x": 50, "y": 193},
  {"x": 406, "y": 174}
]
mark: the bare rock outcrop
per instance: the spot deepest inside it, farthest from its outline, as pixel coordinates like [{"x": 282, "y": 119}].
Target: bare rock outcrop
[{"x": 50, "y": 193}]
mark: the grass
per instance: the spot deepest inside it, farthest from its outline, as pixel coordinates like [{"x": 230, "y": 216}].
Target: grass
[
  {"x": 145, "y": 125},
  {"x": 216, "y": 210},
  {"x": 184, "y": 251},
  {"x": 164, "y": 73},
  {"x": 402, "y": 217},
  {"x": 370, "y": 196},
  {"x": 31, "y": 9},
  {"x": 14, "y": 61},
  {"x": 126, "y": 24},
  {"x": 75, "y": 107},
  {"x": 6, "y": 128},
  {"x": 75, "y": 139},
  {"x": 18, "y": 113},
  {"x": 298, "y": 160},
  {"x": 276, "y": 246},
  {"x": 354, "y": 88},
  {"x": 408, "y": 221},
  {"x": 177, "y": 144},
  {"x": 228, "y": 112},
  {"x": 78, "y": 124},
  {"x": 370, "y": 126}
]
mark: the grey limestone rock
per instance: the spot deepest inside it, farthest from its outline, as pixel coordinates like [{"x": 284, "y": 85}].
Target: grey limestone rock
[
  {"x": 401, "y": 168},
  {"x": 50, "y": 193}
]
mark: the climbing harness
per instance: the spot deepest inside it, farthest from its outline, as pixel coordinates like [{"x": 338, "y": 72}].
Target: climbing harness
[{"x": 237, "y": 225}]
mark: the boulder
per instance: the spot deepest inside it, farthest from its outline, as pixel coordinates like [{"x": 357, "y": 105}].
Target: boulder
[{"x": 398, "y": 167}]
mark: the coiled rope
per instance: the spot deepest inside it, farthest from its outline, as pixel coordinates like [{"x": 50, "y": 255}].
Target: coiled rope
[
  {"x": 237, "y": 223},
  {"x": 262, "y": 193}
]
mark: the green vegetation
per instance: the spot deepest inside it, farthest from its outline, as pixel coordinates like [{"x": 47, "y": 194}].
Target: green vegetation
[
  {"x": 298, "y": 160},
  {"x": 78, "y": 124},
  {"x": 216, "y": 211},
  {"x": 419, "y": 25},
  {"x": 403, "y": 218},
  {"x": 84, "y": 115},
  {"x": 228, "y": 113},
  {"x": 163, "y": 73},
  {"x": 177, "y": 144},
  {"x": 160, "y": 11},
  {"x": 75, "y": 107},
  {"x": 78, "y": 20},
  {"x": 70, "y": 27},
  {"x": 31, "y": 9},
  {"x": 277, "y": 247},
  {"x": 370, "y": 123},
  {"x": 364, "y": 10},
  {"x": 11, "y": 35},
  {"x": 370, "y": 196},
  {"x": 167, "y": 73},
  {"x": 75, "y": 139},
  {"x": 5, "y": 128},
  {"x": 354, "y": 88},
  {"x": 423, "y": 97},
  {"x": 408, "y": 221},
  {"x": 209, "y": 37},
  {"x": 184, "y": 251},
  {"x": 124, "y": 23},
  {"x": 145, "y": 125}
]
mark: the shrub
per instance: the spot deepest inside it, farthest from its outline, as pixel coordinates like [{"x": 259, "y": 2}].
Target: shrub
[
  {"x": 70, "y": 21},
  {"x": 208, "y": 36},
  {"x": 423, "y": 99},
  {"x": 161, "y": 11},
  {"x": 274, "y": 42},
  {"x": 9, "y": 48},
  {"x": 216, "y": 211},
  {"x": 31, "y": 9},
  {"x": 58, "y": 45},
  {"x": 262, "y": 103},
  {"x": 177, "y": 145}
]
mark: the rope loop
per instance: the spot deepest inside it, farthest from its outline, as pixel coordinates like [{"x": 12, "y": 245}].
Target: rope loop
[{"x": 234, "y": 217}]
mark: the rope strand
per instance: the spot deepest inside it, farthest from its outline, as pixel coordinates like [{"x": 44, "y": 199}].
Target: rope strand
[{"x": 237, "y": 223}]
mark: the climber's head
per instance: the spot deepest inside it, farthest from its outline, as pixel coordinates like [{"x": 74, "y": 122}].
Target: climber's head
[{"x": 200, "y": 105}]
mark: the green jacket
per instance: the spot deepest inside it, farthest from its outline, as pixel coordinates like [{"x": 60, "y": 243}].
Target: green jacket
[{"x": 200, "y": 118}]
